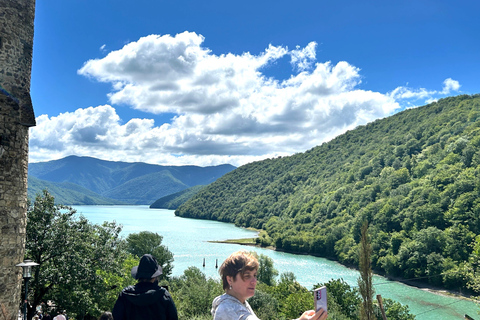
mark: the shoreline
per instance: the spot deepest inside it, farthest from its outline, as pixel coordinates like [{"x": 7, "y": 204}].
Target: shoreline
[{"x": 412, "y": 283}]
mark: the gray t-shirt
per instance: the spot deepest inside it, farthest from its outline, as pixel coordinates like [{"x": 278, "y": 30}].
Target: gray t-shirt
[{"x": 227, "y": 307}]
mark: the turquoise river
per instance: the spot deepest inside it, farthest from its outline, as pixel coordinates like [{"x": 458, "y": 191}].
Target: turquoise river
[{"x": 188, "y": 240}]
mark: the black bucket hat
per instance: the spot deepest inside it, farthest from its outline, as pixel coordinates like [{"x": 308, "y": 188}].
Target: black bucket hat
[{"x": 147, "y": 268}]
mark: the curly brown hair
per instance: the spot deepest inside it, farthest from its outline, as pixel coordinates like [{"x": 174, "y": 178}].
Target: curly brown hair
[{"x": 237, "y": 263}]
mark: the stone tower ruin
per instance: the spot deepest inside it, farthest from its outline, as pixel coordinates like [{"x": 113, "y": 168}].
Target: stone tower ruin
[{"x": 16, "y": 116}]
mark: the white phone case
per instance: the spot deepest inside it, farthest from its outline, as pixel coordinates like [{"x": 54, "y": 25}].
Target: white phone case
[{"x": 320, "y": 298}]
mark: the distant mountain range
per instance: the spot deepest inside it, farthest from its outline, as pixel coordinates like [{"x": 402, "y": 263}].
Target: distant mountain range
[{"x": 91, "y": 181}]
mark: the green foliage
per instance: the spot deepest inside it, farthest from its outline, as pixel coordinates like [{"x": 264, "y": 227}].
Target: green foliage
[
  {"x": 193, "y": 293},
  {"x": 413, "y": 176},
  {"x": 147, "y": 242},
  {"x": 115, "y": 282},
  {"x": 292, "y": 296},
  {"x": 345, "y": 302},
  {"x": 473, "y": 268},
  {"x": 84, "y": 267},
  {"x": 296, "y": 304},
  {"x": 394, "y": 310},
  {"x": 70, "y": 252},
  {"x": 342, "y": 298},
  {"x": 66, "y": 192},
  {"x": 287, "y": 285},
  {"x": 365, "y": 282},
  {"x": 265, "y": 305},
  {"x": 266, "y": 271}
]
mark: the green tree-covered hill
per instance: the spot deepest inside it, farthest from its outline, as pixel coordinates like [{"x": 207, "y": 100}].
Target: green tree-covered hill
[
  {"x": 66, "y": 192},
  {"x": 413, "y": 176},
  {"x": 75, "y": 179},
  {"x": 174, "y": 200}
]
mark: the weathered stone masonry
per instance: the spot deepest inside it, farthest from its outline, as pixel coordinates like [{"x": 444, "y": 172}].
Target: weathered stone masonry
[{"x": 16, "y": 116}]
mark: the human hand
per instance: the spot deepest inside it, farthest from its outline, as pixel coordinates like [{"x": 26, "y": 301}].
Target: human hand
[{"x": 311, "y": 315}]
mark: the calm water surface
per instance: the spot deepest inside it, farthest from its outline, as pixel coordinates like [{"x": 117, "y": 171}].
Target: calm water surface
[{"x": 188, "y": 240}]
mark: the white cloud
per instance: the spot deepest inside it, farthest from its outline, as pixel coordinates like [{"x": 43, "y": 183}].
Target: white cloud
[
  {"x": 450, "y": 85},
  {"x": 302, "y": 59},
  {"x": 402, "y": 93},
  {"x": 98, "y": 132},
  {"x": 227, "y": 110},
  {"x": 410, "y": 95}
]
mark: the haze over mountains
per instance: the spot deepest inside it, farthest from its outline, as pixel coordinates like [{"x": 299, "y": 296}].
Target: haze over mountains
[{"x": 88, "y": 181}]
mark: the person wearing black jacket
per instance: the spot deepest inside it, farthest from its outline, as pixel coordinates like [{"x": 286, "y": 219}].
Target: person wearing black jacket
[{"x": 145, "y": 300}]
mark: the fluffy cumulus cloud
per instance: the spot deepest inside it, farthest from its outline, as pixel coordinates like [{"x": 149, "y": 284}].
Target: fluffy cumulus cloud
[
  {"x": 409, "y": 95},
  {"x": 227, "y": 110},
  {"x": 450, "y": 85}
]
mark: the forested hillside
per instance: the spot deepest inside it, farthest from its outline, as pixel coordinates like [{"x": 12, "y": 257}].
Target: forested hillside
[
  {"x": 173, "y": 201},
  {"x": 67, "y": 193},
  {"x": 413, "y": 176},
  {"x": 86, "y": 180}
]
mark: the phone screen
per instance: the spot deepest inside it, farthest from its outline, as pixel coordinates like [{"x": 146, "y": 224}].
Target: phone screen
[{"x": 320, "y": 298}]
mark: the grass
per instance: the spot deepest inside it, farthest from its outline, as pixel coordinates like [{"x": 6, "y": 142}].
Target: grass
[{"x": 243, "y": 241}]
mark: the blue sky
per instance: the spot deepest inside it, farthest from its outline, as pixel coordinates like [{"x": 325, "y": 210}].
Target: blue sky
[{"x": 212, "y": 82}]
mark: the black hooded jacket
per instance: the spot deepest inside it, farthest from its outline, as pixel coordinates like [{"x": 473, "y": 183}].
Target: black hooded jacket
[{"x": 145, "y": 300}]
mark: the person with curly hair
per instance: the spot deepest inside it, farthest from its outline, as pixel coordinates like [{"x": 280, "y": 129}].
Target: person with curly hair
[{"x": 239, "y": 278}]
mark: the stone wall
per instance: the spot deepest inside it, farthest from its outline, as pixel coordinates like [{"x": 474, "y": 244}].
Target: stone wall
[
  {"x": 16, "y": 49},
  {"x": 13, "y": 205},
  {"x": 16, "y": 116}
]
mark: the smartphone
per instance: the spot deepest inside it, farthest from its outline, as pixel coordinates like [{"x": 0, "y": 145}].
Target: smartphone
[{"x": 320, "y": 298}]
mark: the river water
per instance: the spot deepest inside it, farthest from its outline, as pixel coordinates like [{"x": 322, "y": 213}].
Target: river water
[{"x": 188, "y": 240}]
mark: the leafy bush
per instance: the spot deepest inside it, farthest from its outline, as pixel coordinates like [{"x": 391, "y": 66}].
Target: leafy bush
[{"x": 193, "y": 293}]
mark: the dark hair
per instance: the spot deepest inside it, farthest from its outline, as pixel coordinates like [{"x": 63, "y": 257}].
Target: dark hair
[
  {"x": 106, "y": 316},
  {"x": 237, "y": 263}
]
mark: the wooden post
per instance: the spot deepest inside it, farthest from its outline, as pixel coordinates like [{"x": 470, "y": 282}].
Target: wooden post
[{"x": 380, "y": 303}]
